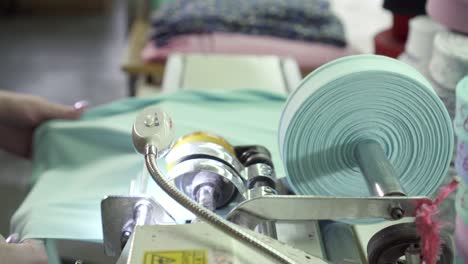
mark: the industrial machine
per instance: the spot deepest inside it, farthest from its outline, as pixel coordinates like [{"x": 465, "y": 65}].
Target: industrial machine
[{"x": 242, "y": 213}]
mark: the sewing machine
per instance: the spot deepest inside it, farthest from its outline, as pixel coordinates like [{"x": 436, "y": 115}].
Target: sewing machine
[{"x": 243, "y": 213}]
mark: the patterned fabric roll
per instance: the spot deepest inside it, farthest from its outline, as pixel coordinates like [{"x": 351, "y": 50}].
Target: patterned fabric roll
[
  {"x": 449, "y": 63},
  {"x": 461, "y": 160},
  {"x": 461, "y": 129}
]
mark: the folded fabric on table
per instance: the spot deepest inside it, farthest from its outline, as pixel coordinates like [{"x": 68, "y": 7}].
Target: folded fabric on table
[
  {"x": 309, "y": 20},
  {"x": 308, "y": 55},
  {"x": 78, "y": 163}
]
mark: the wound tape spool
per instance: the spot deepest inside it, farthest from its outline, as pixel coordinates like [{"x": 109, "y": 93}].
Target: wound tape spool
[
  {"x": 421, "y": 37},
  {"x": 418, "y": 53},
  {"x": 198, "y": 136},
  {"x": 359, "y": 98},
  {"x": 449, "y": 63},
  {"x": 201, "y": 136}
]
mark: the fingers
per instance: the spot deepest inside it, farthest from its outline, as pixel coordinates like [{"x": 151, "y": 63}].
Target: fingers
[
  {"x": 81, "y": 105},
  {"x": 23, "y": 110},
  {"x": 13, "y": 238},
  {"x": 37, "y": 250},
  {"x": 50, "y": 110},
  {"x": 28, "y": 252}
]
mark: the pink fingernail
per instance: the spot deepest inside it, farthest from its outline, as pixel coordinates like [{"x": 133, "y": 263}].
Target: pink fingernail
[
  {"x": 13, "y": 238},
  {"x": 80, "y": 105}
]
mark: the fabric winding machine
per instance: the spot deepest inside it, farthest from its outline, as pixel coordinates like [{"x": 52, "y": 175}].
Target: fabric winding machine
[{"x": 360, "y": 164}]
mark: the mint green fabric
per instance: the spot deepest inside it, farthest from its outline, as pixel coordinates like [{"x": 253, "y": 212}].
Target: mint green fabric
[{"x": 77, "y": 163}]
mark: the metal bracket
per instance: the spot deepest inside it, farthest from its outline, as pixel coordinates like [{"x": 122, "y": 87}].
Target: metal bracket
[
  {"x": 296, "y": 208},
  {"x": 120, "y": 214},
  {"x": 224, "y": 248}
]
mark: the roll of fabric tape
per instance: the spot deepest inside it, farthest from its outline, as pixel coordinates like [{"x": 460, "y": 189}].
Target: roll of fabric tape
[
  {"x": 421, "y": 37},
  {"x": 201, "y": 136},
  {"x": 449, "y": 63},
  {"x": 451, "y": 13},
  {"x": 364, "y": 97}
]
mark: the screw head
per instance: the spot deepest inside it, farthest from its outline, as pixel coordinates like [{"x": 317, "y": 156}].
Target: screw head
[
  {"x": 397, "y": 213},
  {"x": 150, "y": 120}
]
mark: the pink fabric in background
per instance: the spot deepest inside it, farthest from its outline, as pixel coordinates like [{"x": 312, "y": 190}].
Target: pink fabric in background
[
  {"x": 308, "y": 55},
  {"x": 461, "y": 239},
  {"x": 450, "y": 13}
]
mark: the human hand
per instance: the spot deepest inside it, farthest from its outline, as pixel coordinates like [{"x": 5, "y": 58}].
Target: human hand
[
  {"x": 28, "y": 252},
  {"x": 20, "y": 114}
]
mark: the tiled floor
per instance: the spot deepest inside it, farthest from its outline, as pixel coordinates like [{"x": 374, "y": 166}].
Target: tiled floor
[{"x": 64, "y": 59}]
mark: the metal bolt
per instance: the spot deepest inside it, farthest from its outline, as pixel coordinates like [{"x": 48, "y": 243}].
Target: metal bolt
[
  {"x": 397, "y": 212},
  {"x": 266, "y": 171},
  {"x": 269, "y": 191},
  {"x": 413, "y": 254},
  {"x": 124, "y": 238},
  {"x": 149, "y": 120}
]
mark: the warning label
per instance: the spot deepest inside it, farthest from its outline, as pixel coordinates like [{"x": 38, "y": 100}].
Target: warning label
[{"x": 176, "y": 257}]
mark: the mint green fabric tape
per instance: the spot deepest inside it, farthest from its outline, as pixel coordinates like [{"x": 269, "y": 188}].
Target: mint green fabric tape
[
  {"x": 78, "y": 163},
  {"x": 358, "y": 98}
]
